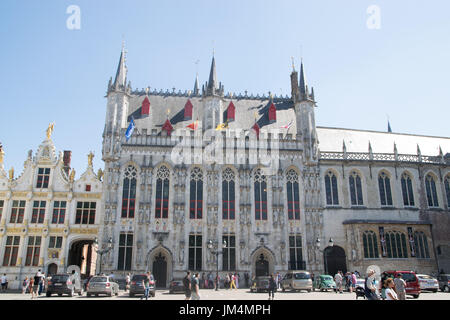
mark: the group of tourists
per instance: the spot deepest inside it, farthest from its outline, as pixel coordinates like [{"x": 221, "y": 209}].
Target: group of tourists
[
  {"x": 191, "y": 285},
  {"x": 35, "y": 285},
  {"x": 348, "y": 280},
  {"x": 391, "y": 289}
]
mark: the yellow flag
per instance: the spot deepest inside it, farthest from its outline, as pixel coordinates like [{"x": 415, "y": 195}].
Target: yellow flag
[{"x": 222, "y": 126}]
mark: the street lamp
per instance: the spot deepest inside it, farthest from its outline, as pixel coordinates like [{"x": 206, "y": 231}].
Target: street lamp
[
  {"x": 103, "y": 251},
  {"x": 214, "y": 250},
  {"x": 330, "y": 244}
]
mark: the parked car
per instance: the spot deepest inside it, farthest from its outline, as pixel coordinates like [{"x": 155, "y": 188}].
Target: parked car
[
  {"x": 260, "y": 284},
  {"x": 412, "y": 282},
  {"x": 176, "y": 285},
  {"x": 428, "y": 283},
  {"x": 324, "y": 282},
  {"x": 122, "y": 282},
  {"x": 102, "y": 285},
  {"x": 297, "y": 280},
  {"x": 137, "y": 285},
  {"x": 63, "y": 284},
  {"x": 444, "y": 282}
]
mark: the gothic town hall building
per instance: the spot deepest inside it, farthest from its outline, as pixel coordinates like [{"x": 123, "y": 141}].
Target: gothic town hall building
[{"x": 257, "y": 180}]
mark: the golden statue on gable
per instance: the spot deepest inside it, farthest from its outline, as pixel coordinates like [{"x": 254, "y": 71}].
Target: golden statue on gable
[
  {"x": 72, "y": 175},
  {"x": 90, "y": 157},
  {"x": 50, "y": 130},
  {"x": 11, "y": 173}
]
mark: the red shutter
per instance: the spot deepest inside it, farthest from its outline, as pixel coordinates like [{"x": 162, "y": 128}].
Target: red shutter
[
  {"x": 272, "y": 113},
  {"x": 145, "y": 107},
  {"x": 168, "y": 127},
  {"x": 188, "y": 110},
  {"x": 256, "y": 128},
  {"x": 230, "y": 112}
]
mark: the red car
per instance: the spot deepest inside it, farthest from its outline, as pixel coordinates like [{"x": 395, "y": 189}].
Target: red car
[{"x": 412, "y": 282}]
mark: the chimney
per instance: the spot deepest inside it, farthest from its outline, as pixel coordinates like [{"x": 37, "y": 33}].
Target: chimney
[{"x": 66, "y": 159}]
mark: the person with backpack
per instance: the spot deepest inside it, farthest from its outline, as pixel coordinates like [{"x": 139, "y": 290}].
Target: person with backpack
[
  {"x": 187, "y": 285},
  {"x": 25, "y": 284},
  {"x": 272, "y": 287},
  {"x": 369, "y": 286},
  {"x": 195, "y": 281}
]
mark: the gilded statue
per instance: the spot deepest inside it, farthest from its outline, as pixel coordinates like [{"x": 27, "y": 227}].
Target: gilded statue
[
  {"x": 100, "y": 174},
  {"x": 2, "y": 154},
  {"x": 72, "y": 175},
  {"x": 50, "y": 130},
  {"x": 90, "y": 157},
  {"x": 11, "y": 173}
]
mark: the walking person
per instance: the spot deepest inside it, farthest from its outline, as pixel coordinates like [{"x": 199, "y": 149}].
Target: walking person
[
  {"x": 236, "y": 280},
  {"x": 227, "y": 281},
  {"x": 369, "y": 286},
  {"x": 187, "y": 285},
  {"x": 210, "y": 281},
  {"x": 247, "y": 278},
  {"x": 146, "y": 285},
  {"x": 41, "y": 284},
  {"x": 195, "y": 287},
  {"x": 127, "y": 282},
  {"x": 4, "y": 281},
  {"x": 338, "y": 280},
  {"x": 31, "y": 287},
  {"x": 25, "y": 284},
  {"x": 233, "y": 281},
  {"x": 390, "y": 292},
  {"x": 400, "y": 287},
  {"x": 353, "y": 277},
  {"x": 272, "y": 287}
]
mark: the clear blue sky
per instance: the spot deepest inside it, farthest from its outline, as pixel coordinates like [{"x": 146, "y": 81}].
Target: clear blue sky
[{"x": 52, "y": 74}]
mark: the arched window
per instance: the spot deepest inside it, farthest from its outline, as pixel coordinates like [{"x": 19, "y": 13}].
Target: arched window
[
  {"x": 430, "y": 186},
  {"x": 421, "y": 245},
  {"x": 293, "y": 196},
  {"x": 355, "y": 189},
  {"x": 447, "y": 188},
  {"x": 396, "y": 245},
  {"x": 228, "y": 194},
  {"x": 129, "y": 192},
  {"x": 407, "y": 190},
  {"x": 196, "y": 194},
  {"x": 370, "y": 245},
  {"x": 162, "y": 193},
  {"x": 384, "y": 184},
  {"x": 331, "y": 188},
  {"x": 260, "y": 196}
]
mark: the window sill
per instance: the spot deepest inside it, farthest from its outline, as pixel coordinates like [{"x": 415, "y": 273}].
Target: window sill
[
  {"x": 388, "y": 208},
  {"x": 332, "y": 206},
  {"x": 411, "y": 208},
  {"x": 358, "y": 207},
  {"x": 435, "y": 209}
]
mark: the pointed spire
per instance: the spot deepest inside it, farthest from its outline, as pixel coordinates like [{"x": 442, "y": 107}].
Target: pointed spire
[
  {"x": 395, "y": 152},
  {"x": 302, "y": 85},
  {"x": 312, "y": 94},
  {"x": 212, "y": 82},
  {"x": 370, "y": 151},
  {"x": 196, "y": 85},
  {"x": 389, "y": 127},
  {"x": 121, "y": 74}
]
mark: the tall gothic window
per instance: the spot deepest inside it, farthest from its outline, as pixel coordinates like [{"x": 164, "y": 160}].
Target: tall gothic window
[
  {"x": 229, "y": 253},
  {"x": 396, "y": 245},
  {"x": 355, "y": 189},
  {"x": 384, "y": 184},
  {"x": 17, "y": 211},
  {"x": 295, "y": 253},
  {"x": 331, "y": 188},
  {"x": 125, "y": 251},
  {"x": 228, "y": 194},
  {"x": 11, "y": 251},
  {"x": 59, "y": 212},
  {"x": 129, "y": 192},
  {"x": 421, "y": 245},
  {"x": 293, "y": 195},
  {"x": 370, "y": 245},
  {"x": 33, "y": 250},
  {"x": 195, "y": 252},
  {"x": 43, "y": 178},
  {"x": 407, "y": 190},
  {"x": 162, "y": 193},
  {"x": 196, "y": 194},
  {"x": 430, "y": 186},
  {"x": 447, "y": 189},
  {"x": 260, "y": 196}
]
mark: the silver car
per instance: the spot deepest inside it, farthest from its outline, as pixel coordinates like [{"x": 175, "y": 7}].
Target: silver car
[
  {"x": 297, "y": 280},
  {"x": 102, "y": 285},
  {"x": 428, "y": 283}
]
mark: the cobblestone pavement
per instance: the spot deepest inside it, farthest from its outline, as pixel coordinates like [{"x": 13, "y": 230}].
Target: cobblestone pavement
[{"x": 230, "y": 295}]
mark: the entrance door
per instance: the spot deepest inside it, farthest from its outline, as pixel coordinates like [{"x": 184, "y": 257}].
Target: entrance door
[
  {"x": 261, "y": 266},
  {"x": 82, "y": 255},
  {"x": 52, "y": 269},
  {"x": 335, "y": 260},
  {"x": 160, "y": 270}
]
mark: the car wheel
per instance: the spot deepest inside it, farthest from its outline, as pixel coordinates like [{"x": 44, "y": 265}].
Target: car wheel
[
  {"x": 80, "y": 293},
  {"x": 309, "y": 290},
  {"x": 283, "y": 289},
  {"x": 110, "y": 294},
  {"x": 59, "y": 294},
  {"x": 131, "y": 295},
  {"x": 415, "y": 296},
  {"x": 96, "y": 294},
  {"x": 88, "y": 294},
  {"x": 71, "y": 293},
  {"x": 48, "y": 294},
  {"x": 446, "y": 289},
  {"x": 434, "y": 291}
]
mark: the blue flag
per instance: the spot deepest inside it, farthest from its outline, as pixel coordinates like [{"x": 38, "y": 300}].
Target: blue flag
[{"x": 130, "y": 129}]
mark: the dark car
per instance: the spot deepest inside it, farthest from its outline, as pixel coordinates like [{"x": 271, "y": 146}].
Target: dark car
[
  {"x": 412, "y": 282},
  {"x": 260, "y": 284},
  {"x": 444, "y": 282},
  {"x": 63, "y": 284},
  {"x": 176, "y": 285},
  {"x": 137, "y": 285}
]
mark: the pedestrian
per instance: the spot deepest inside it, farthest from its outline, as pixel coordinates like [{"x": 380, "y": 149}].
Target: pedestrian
[
  {"x": 354, "y": 280},
  {"x": 31, "y": 287},
  {"x": 127, "y": 282},
  {"x": 112, "y": 275},
  {"x": 227, "y": 281},
  {"x": 276, "y": 280},
  {"x": 236, "y": 280},
  {"x": 217, "y": 283},
  {"x": 390, "y": 292},
  {"x": 279, "y": 277},
  {"x": 187, "y": 285},
  {"x": 41, "y": 284},
  {"x": 247, "y": 278},
  {"x": 338, "y": 280},
  {"x": 4, "y": 281},
  {"x": 233, "y": 281},
  {"x": 400, "y": 287},
  {"x": 210, "y": 281},
  {"x": 272, "y": 287},
  {"x": 25, "y": 284},
  {"x": 195, "y": 287},
  {"x": 203, "y": 280},
  {"x": 146, "y": 285},
  {"x": 369, "y": 286}
]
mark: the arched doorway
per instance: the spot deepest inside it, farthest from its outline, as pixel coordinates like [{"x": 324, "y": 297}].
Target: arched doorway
[
  {"x": 261, "y": 266},
  {"x": 52, "y": 269},
  {"x": 160, "y": 270},
  {"x": 334, "y": 260},
  {"x": 83, "y": 255}
]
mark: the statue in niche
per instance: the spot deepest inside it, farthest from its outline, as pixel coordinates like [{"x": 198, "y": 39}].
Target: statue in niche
[{"x": 181, "y": 253}]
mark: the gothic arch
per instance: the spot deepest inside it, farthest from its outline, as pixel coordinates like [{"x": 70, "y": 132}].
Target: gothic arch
[
  {"x": 160, "y": 262},
  {"x": 267, "y": 254}
]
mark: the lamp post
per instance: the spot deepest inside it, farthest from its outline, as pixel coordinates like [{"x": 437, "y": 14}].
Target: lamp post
[
  {"x": 103, "y": 251},
  {"x": 215, "y": 251},
  {"x": 330, "y": 244}
]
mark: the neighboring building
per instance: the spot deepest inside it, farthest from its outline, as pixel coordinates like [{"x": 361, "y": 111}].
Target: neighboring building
[
  {"x": 161, "y": 214},
  {"x": 49, "y": 220}
]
